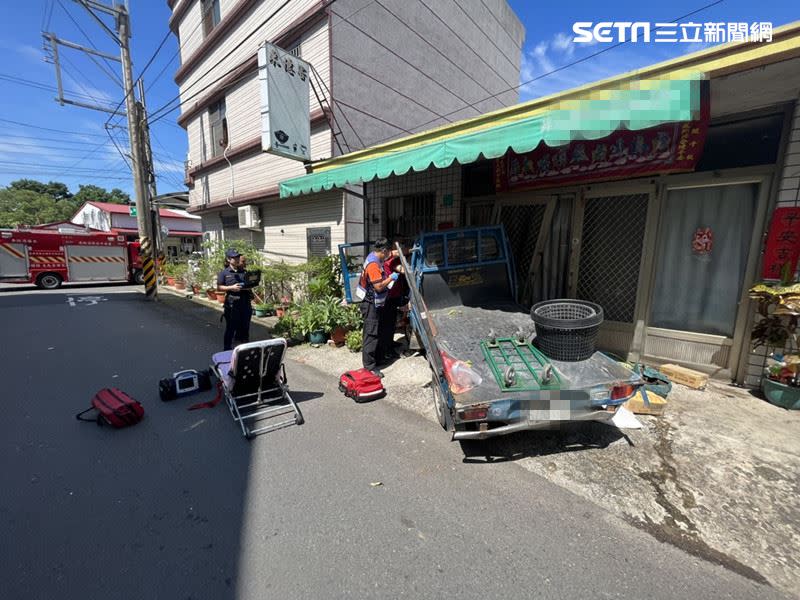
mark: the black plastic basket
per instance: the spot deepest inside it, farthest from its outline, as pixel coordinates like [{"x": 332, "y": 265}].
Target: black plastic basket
[{"x": 566, "y": 329}]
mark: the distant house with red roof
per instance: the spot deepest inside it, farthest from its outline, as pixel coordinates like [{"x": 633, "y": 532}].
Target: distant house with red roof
[{"x": 183, "y": 231}]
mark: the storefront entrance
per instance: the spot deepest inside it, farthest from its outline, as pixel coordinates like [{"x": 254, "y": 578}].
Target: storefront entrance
[{"x": 668, "y": 268}]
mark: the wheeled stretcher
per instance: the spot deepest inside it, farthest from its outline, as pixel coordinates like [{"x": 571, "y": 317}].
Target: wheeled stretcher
[{"x": 253, "y": 380}]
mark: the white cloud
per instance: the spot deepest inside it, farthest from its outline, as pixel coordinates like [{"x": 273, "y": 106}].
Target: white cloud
[{"x": 564, "y": 44}]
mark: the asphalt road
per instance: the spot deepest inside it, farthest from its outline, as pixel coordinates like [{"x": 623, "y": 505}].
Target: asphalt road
[{"x": 181, "y": 506}]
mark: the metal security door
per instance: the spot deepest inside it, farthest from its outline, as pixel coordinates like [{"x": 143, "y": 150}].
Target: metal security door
[
  {"x": 606, "y": 264},
  {"x": 97, "y": 263},
  {"x": 524, "y": 222},
  {"x": 13, "y": 260}
]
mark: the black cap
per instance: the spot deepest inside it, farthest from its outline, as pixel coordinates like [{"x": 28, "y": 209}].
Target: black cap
[{"x": 232, "y": 253}]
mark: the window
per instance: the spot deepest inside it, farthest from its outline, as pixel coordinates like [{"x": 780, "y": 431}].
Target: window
[
  {"x": 295, "y": 50},
  {"x": 478, "y": 179},
  {"x": 230, "y": 221},
  {"x": 219, "y": 127},
  {"x": 742, "y": 143},
  {"x": 210, "y": 15},
  {"x": 407, "y": 216}
]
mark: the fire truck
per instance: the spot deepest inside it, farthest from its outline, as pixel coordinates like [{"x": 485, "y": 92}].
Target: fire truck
[{"x": 48, "y": 258}]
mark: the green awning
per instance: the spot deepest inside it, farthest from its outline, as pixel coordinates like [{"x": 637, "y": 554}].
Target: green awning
[{"x": 639, "y": 105}]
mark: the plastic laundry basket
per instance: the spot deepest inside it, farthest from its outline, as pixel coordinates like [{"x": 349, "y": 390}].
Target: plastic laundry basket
[{"x": 566, "y": 329}]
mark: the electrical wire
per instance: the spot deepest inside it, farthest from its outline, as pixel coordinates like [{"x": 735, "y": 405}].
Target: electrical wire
[
  {"x": 41, "y": 86},
  {"x": 556, "y": 70},
  {"x": 32, "y": 126},
  {"x": 219, "y": 62},
  {"x": 108, "y": 69}
]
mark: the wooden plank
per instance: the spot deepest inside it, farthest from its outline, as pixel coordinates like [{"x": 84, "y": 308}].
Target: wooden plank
[{"x": 688, "y": 377}]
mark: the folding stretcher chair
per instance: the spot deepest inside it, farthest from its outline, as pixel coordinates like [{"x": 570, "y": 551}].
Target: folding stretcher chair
[{"x": 253, "y": 381}]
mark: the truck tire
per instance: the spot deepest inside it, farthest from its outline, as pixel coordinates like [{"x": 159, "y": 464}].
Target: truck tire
[
  {"x": 138, "y": 277},
  {"x": 49, "y": 281},
  {"x": 439, "y": 406}
]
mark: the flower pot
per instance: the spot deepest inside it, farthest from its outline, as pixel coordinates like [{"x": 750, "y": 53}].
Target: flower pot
[
  {"x": 280, "y": 311},
  {"x": 211, "y": 293},
  {"x": 171, "y": 281},
  {"x": 196, "y": 290},
  {"x": 317, "y": 337},
  {"x": 261, "y": 312},
  {"x": 338, "y": 335},
  {"x": 180, "y": 285},
  {"x": 220, "y": 297},
  {"x": 781, "y": 394}
]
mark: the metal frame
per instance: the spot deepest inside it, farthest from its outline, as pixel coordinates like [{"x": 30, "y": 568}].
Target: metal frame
[
  {"x": 601, "y": 190},
  {"x": 261, "y": 404},
  {"x": 763, "y": 176}
]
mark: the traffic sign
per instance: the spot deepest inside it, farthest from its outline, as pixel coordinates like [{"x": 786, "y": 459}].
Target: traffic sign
[{"x": 132, "y": 210}]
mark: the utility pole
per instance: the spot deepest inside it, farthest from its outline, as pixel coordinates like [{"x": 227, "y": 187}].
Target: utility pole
[
  {"x": 155, "y": 220},
  {"x": 140, "y": 154},
  {"x": 135, "y": 117}
]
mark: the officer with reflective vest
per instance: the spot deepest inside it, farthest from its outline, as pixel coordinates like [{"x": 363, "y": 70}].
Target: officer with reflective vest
[
  {"x": 373, "y": 289},
  {"x": 237, "y": 309}
]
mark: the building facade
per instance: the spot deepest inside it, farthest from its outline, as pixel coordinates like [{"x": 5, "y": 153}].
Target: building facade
[
  {"x": 669, "y": 255},
  {"x": 380, "y": 69},
  {"x": 181, "y": 232}
]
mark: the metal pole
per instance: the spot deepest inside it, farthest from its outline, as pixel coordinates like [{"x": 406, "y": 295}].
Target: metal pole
[
  {"x": 133, "y": 110},
  {"x": 151, "y": 173}
]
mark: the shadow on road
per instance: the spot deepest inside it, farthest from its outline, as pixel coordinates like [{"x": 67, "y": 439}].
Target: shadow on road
[{"x": 568, "y": 437}]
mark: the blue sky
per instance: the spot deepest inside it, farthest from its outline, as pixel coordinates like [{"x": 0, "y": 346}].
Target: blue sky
[{"x": 82, "y": 152}]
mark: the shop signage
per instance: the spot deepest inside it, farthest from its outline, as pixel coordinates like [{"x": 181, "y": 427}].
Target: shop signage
[
  {"x": 667, "y": 148},
  {"x": 783, "y": 243},
  {"x": 285, "y": 121}
]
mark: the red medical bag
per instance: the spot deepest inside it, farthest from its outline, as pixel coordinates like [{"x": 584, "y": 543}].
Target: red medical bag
[
  {"x": 361, "y": 385},
  {"x": 114, "y": 407}
]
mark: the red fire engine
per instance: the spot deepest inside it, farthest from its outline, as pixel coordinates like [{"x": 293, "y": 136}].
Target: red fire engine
[{"x": 48, "y": 258}]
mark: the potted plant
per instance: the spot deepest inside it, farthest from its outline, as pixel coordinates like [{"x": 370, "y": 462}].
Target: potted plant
[
  {"x": 353, "y": 340},
  {"x": 779, "y": 308},
  {"x": 263, "y": 309},
  {"x": 179, "y": 273}
]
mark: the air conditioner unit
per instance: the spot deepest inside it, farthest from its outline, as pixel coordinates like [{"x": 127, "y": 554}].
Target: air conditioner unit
[{"x": 249, "y": 217}]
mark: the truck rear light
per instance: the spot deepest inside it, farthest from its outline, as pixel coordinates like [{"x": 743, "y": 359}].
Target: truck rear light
[
  {"x": 460, "y": 377},
  {"x": 620, "y": 392},
  {"x": 474, "y": 413}
]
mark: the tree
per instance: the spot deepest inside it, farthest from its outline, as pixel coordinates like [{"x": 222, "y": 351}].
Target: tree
[
  {"x": 94, "y": 193},
  {"x": 55, "y": 189},
  {"x": 26, "y": 207}
]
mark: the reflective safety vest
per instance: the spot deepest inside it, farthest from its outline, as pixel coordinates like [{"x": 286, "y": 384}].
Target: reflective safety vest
[{"x": 365, "y": 291}]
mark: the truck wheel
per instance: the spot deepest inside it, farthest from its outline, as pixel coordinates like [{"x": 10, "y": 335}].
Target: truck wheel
[
  {"x": 138, "y": 277},
  {"x": 439, "y": 405},
  {"x": 49, "y": 281}
]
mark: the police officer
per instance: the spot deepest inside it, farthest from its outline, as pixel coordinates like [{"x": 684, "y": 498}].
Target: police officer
[
  {"x": 237, "y": 310},
  {"x": 373, "y": 288}
]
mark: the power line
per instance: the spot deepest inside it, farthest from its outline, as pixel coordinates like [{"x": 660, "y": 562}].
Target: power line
[
  {"x": 502, "y": 28},
  {"x": 463, "y": 41},
  {"x": 108, "y": 69},
  {"x": 435, "y": 49},
  {"x": 32, "y": 126},
  {"x": 166, "y": 106},
  {"x": 556, "y": 70},
  {"x": 363, "y": 112},
  {"x": 483, "y": 31},
  {"x": 48, "y": 139},
  {"x": 149, "y": 62},
  {"x": 219, "y": 62},
  {"x": 39, "y": 85}
]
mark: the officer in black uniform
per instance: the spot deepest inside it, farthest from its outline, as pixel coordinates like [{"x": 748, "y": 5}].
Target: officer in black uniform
[{"x": 237, "y": 311}]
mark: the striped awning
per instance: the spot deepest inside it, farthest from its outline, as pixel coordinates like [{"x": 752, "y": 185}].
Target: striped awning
[{"x": 634, "y": 105}]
